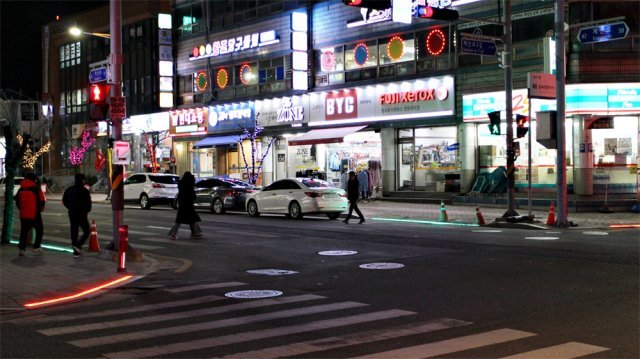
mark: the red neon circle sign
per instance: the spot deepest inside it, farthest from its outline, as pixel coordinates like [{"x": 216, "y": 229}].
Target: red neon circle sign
[
  {"x": 436, "y": 42},
  {"x": 245, "y": 74}
]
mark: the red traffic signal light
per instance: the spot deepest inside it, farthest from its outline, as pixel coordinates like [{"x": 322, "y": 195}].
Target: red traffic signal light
[
  {"x": 435, "y": 13},
  {"x": 98, "y": 105},
  {"x": 99, "y": 93},
  {"x": 521, "y": 130},
  {"x": 369, "y": 4}
]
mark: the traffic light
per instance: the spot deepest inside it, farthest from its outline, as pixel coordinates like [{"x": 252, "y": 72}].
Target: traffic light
[
  {"x": 369, "y": 4},
  {"x": 98, "y": 106},
  {"x": 434, "y": 13},
  {"x": 494, "y": 123},
  {"x": 521, "y": 130}
]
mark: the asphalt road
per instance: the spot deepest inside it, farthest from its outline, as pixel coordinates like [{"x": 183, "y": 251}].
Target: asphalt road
[{"x": 451, "y": 291}]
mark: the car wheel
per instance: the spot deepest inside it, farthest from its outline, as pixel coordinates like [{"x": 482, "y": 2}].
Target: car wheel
[
  {"x": 217, "y": 206},
  {"x": 295, "y": 211},
  {"x": 144, "y": 201},
  {"x": 174, "y": 203},
  {"x": 252, "y": 208},
  {"x": 333, "y": 215}
]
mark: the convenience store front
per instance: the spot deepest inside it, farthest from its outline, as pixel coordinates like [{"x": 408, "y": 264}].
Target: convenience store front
[{"x": 601, "y": 127}]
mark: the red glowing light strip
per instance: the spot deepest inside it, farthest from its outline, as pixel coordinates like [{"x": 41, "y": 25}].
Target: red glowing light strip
[
  {"x": 78, "y": 295},
  {"x": 624, "y": 226}
]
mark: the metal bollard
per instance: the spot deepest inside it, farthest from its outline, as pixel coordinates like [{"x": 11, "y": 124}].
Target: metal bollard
[{"x": 122, "y": 248}]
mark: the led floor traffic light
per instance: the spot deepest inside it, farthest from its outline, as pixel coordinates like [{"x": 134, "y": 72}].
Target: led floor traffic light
[{"x": 98, "y": 105}]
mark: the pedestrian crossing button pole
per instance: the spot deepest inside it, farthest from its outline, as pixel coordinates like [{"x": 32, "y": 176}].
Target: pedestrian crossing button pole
[{"x": 122, "y": 248}]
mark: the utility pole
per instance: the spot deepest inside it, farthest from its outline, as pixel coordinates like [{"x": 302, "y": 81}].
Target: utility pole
[
  {"x": 561, "y": 164},
  {"x": 507, "y": 60},
  {"x": 116, "y": 60}
]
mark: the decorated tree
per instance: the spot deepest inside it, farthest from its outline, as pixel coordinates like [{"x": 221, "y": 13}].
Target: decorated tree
[
  {"x": 76, "y": 155},
  {"x": 254, "y": 165}
]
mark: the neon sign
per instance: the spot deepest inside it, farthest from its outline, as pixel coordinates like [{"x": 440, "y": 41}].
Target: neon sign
[
  {"x": 222, "y": 78},
  {"x": 436, "y": 41},
  {"x": 361, "y": 54},
  {"x": 414, "y": 96},
  {"x": 245, "y": 74},
  {"x": 201, "y": 81},
  {"x": 234, "y": 44},
  {"x": 395, "y": 48}
]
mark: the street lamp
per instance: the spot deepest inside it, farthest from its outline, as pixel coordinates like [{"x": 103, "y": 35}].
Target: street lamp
[{"x": 76, "y": 31}]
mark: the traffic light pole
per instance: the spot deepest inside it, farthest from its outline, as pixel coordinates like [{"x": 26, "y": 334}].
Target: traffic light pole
[
  {"x": 561, "y": 163},
  {"x": 116, "y": 60},
  {"x": 508, "y": 89}
]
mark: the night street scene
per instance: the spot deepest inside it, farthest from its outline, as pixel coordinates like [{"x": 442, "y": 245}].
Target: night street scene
[{"x": 320, "y": 179}]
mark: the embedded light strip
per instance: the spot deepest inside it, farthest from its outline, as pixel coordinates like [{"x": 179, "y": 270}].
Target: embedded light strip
[
  {"x": 382, "y": 119},
  {"x": 426, "y": 222},
  {"x": 634, "y": 225},
  {"x": 77, "y": 295},
  {"x": 49, "y": 246}
]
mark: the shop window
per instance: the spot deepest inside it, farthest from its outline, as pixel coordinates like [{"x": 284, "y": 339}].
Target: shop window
[
  {"x": 189, "y": 19},
  {"x": 361, "y": 54},
  {"x": 397, "y": 48},
  {"x": 330, "y": 59}
]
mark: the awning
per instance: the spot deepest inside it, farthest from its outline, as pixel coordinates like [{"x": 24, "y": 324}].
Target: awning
[
  {"x": 216, "y": 141},
  {"x": 325, "y": 135}
]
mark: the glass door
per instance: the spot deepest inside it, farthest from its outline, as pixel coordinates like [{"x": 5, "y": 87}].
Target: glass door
[{"x": 406, "y": 160}]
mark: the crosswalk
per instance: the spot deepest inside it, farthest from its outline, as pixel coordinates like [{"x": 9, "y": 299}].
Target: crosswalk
[{"x": 201, "y": 322}]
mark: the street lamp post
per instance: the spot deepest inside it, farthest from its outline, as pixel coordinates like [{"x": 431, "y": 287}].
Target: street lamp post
[{"x": 75, "y": 31}]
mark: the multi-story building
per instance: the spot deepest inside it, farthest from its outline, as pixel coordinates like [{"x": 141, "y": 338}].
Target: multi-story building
[{"x": 67, "y": 64}]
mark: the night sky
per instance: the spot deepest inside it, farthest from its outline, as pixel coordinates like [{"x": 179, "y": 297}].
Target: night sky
[{"x": 21, "y": 22}]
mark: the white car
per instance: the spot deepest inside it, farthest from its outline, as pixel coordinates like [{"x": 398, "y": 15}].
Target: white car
[
  {"x": 148, "y": 189},
  {"x": 16, "y": 185},
  {"x": 298, "y": 196}
]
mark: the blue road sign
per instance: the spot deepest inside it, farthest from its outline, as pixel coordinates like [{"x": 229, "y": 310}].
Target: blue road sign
[
  {"x": 602, "y": 33},
  {"x": 98, "y": 75},
  {"x": 478, "y": 46}
]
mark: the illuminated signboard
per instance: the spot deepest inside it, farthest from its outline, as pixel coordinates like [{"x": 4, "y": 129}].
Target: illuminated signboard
[
  {"x": 234, "y": 44},
  {"x": 233, "y": 116},
  {"x": 417, "y": 99},
  {"x": 283, "y": 111},
  {"x": 188, "y": 122}
]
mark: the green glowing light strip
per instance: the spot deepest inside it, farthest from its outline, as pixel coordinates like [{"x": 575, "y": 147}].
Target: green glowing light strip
[
  {"x": 49, "y": 246},
  {"x": 426, "y": 222}
]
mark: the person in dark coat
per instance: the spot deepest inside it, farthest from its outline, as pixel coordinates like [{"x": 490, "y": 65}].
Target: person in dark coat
[
  {"x": 353, "y": 192},
  {"x": 77, "y": 199},
  {"x": 186, "y": 210},
  {"x": 30, "y": 201}
]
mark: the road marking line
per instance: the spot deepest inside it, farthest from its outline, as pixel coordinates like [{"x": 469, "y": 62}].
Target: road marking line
[
  {"x": 562, "y": 351},
  {"x": 452, "y": 345},
  {"x": 205, "y": 286},
  {"x": 351, "y": 339},
  {"x": 215, "y": 324},
  {"x": 175, "y": 316},
  {"x": 163, "y": 350},
  {"x": 142, "y": 308}
]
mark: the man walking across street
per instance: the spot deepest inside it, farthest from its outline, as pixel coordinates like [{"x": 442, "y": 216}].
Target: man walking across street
[
  {"x": 353, "y": 189},
  {"x": 186, "y": 210},
  {"x": 30, "y": 201},
  {"x": 77, "y": 199}
]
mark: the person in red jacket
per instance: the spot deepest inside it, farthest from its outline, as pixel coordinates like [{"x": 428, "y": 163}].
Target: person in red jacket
[{"x": 30, "y": 201}]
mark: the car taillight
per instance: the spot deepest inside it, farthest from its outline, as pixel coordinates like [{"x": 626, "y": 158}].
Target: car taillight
[
  {"x": 343, "y": 194},
  {"x": 313, "y": 194},
  {"x": 157, "y": 185}
]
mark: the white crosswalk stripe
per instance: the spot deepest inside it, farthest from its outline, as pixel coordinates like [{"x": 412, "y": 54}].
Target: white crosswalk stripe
[{"x": 331, "y": 326}]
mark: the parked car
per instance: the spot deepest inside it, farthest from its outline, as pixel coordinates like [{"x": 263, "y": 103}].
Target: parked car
[
  {"x": 149, "y": 189},
  {"x": 298, "y": 196},
  {"x": 16, "y": 185},
  {"x": 219, "y": 194}
]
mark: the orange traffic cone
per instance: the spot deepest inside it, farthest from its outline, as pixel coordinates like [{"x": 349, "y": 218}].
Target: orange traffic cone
[
  {"x": 443, "y": 213},
  {"x": 551, "y": 219},
  {"x": 94, "y": 245},
  {"x": 479, "y": 217}
]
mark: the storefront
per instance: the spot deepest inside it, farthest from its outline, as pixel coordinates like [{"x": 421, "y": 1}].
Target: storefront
[
  {"x": 368, "y": 130},
  {"x": 601, "y": 128}
]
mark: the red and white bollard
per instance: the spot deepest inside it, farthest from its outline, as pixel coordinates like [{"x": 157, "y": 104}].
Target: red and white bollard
[{"x": 122, "y": 248}]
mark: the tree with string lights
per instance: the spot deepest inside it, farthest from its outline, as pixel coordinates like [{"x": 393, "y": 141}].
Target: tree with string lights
[{"x": 253, "y": 166}]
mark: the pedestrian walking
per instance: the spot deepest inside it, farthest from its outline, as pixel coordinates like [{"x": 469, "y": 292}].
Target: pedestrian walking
[
  {"x": 30, "y": 201},
  {"x": 77, "y": 199},
  {"x": 186, "y": 210},
  {"x": 353, "y": 192}
]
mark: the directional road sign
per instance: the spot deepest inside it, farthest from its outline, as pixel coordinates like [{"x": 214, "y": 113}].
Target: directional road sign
[
  {"x": 478, "y": 46},
  {"x": 601, "y": 33},
  {"x": 98, "y": 74}
]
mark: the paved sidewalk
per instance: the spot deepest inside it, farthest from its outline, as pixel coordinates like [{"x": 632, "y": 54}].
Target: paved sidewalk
[{"x": 54, "y": 274}]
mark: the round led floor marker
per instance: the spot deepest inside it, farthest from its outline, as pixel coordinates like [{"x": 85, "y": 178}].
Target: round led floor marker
[
  {"x": 381, "y": 266},
  {"x": 271, "y": 271},
  {"x": 252, "y": 294},
  {"x": 337, "y": 253}
]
